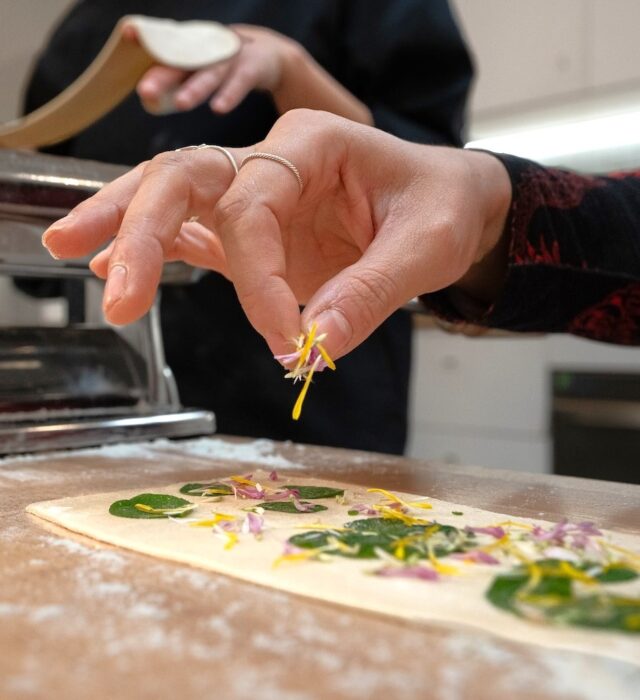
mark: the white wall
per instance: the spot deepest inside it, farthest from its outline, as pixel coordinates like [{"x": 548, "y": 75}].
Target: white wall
[{"x": 24, "y": 24}]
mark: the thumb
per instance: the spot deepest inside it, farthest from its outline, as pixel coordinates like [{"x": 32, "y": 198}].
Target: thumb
[{"x": 350, "y": 306}]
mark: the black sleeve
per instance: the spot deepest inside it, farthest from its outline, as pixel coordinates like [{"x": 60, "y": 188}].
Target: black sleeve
[
  {"x": 409, "y": 64},
  {"x": 574, "y": 257}
]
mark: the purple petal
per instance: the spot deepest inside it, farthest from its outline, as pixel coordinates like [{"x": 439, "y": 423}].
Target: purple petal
[
  {"x": 363, "y": 509},
  {"x": 300, "y": 506},
  {"x": 273, "y": 476},
  {"x": 283, "y": 495},
  {"x": 289, "y": 358},
  {"x": 420, "y": 572},
  {"x": 256, "y": 523},
  {"x": 475, "y": 555}
]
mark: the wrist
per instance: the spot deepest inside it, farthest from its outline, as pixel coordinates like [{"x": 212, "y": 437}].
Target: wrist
[
  {"x": 292, "y": 59},
  {"x": 484, "y": 279}
]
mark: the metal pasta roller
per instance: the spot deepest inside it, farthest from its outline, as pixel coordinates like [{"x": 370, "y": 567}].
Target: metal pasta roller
[{"x": 74, "y": 381}]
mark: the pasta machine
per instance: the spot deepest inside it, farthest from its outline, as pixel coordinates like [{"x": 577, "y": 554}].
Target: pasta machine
[{"x": 75, "y": 381}]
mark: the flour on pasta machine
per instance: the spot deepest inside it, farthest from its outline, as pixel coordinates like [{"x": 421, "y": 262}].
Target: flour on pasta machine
[{"x": 73, "y": 381}]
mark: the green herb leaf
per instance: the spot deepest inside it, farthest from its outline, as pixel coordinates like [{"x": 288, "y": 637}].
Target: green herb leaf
[
  {"x": 290, "y": 507},
  {"x": 457, "y": 512},
  {"x": 554, "y": 599},
  {"x": 200, "y": 489},
  {"x": 361, "y": 538},
  {"x": 158, "y": 501},
  {"x": 353, "y": 512},
  {"x": 616, "y": 574},
  {"x": 312, "y": 492}
]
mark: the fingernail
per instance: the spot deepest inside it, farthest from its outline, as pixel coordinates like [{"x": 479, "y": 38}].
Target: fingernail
[
  {"x": 337, "y": 327},
  {"x": 116, "y": 285},
  {"x": 49, "y": 236}
]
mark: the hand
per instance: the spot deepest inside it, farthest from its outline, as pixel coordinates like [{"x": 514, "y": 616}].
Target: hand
[
  {"x": 379, "y": 221},
  {"x": 258, "y": 65}
]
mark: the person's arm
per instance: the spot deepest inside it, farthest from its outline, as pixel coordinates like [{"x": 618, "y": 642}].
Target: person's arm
[
  {"x": 567, "y": 261},
  {"x": 377, "y": 222},
  {"x": 267, "y": 61}
]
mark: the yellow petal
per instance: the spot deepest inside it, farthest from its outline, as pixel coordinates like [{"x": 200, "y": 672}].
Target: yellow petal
[{"x": 297, "y": 409}]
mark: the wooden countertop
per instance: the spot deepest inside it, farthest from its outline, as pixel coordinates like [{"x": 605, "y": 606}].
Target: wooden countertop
[{"x": 79, "y": 619}]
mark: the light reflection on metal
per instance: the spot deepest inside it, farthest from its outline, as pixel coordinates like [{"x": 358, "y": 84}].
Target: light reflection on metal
[{"x": 57, "y": 180}]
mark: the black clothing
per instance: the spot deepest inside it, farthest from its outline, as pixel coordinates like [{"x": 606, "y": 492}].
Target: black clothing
[
  {"x": 406, "y": 60},
  {"x": 574, "y": 257}
]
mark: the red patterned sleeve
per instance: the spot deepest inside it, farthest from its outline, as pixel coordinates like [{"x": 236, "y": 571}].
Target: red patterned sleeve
[{"x": 574, "y": 257}]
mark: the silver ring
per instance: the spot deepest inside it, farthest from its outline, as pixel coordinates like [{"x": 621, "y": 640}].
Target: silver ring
[
  {"x": 276, "y": 159},
  {"x": 227, "y": 153}
]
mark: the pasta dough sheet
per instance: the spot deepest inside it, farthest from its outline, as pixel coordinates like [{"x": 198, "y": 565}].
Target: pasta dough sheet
[{"x": 453, "y": 600}]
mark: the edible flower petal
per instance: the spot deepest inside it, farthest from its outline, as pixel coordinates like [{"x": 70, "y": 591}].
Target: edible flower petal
[{"x": 423, "y": 573}]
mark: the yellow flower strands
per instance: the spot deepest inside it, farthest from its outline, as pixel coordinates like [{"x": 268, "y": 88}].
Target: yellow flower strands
[
  {"x": 307, "y": 363},
  {"x": 396, "y": 499}
]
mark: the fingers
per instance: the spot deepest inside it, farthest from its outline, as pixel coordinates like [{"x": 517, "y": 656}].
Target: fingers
[
  {"x": 94, "y": 221},
  {"x": 147, "y": 210},
  {"x": 157, "y": 85},
  {"x": 241, "y": 79},
  {"x": 200, "y": 86},
  {"x": 199, "y": 247},
  {"x": 350, "y": 306},
  {"x": 251, "y": 217}
]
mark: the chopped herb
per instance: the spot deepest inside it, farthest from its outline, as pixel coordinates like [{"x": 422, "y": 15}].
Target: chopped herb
[
  {"x": 457, "y": 512},
  {"x": 363, "y": 539},
  {"x": 290, "y": 507},
  {"x": 353, "y": 512},
  {"x": 151, "y": 505},
  {"x": 315, "y": 491},
  {"x": 210, "y": 489},
  {"x": 554, "y": 598}
]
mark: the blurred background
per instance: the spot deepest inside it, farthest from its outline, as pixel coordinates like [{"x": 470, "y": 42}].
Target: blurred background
[{"x": 557, "y": 82}]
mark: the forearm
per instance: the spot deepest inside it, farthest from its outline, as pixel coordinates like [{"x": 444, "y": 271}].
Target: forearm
[
  {"x": 568, "y": 259},
  {"x": 304, "y": 83}
]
